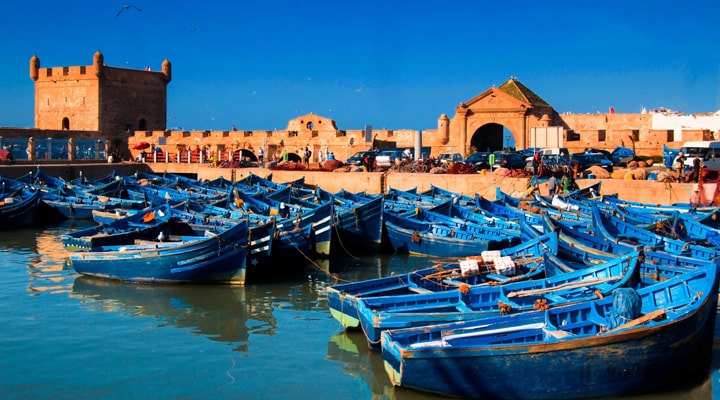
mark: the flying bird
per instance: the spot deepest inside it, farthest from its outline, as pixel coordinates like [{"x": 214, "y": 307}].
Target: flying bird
[{"x": 126, "y": 7}]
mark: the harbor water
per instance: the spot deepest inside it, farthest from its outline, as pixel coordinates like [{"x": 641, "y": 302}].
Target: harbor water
[{"x": 65, "y": 336}]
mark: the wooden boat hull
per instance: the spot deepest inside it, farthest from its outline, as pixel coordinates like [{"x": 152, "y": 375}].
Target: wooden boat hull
[
  {"x": 526, "y": 361},
  {"x": 417, "y": 237},
  {"x": 357, "y": 223},
  {"x": 214, "y": 258},
  {"x": 395, "y": 312},
  {"x": 21, "y": 211}
]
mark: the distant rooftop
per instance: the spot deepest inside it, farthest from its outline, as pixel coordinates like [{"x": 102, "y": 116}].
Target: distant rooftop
[{"x": 514, "y": 88}]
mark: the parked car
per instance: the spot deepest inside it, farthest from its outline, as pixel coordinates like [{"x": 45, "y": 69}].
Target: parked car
[
  {"x": 445, "y": 158},
  {"x": 509, "y": 160},
  {"x": 529, "y": 152},
  {"x": 604, "y": 153},
  {"x": 587, "y": 160},
  {"x": 551, "y": 161},
  {"x": 479, "y": 160},
  {"x": 386, "y": 158},
  {"x": 358, "y": 157}
]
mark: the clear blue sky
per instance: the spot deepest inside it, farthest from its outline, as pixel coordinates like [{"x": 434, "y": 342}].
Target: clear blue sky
[{"x": 391, "y": 64}]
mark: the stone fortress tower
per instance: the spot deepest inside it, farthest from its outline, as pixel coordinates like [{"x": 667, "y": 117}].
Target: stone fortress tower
[{"x": 112, "y": 101}]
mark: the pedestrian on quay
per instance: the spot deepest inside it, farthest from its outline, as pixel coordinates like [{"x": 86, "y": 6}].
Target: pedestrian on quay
[
  {"x": 697, "y": 164},
  {"x": 306, "y": 157},
  {"x": 679, "y": 165},
  {"x": 552, "y": 185}
]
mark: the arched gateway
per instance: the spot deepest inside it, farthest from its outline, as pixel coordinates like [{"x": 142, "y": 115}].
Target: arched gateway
[{"x": 478, "y": 123}]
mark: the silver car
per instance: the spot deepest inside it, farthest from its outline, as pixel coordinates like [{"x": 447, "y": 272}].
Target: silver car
[{"x": 386, "y": 158}]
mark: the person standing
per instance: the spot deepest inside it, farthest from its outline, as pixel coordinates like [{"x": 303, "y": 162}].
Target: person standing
[
  {"x": 695, "y": 199},
  {"x": 536, "y": 162},
  {"x": 679, "y": 165},
  {"x": 697, "y": 164},
  {"x": 565, "y": 182},
  {"x": 307, "y": 156},
  {"x": 552, "y": 185},
  {"x": 261, "y": 154}
]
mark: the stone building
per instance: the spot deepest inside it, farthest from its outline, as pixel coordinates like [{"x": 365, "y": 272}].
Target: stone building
[{"x": 111, "y": 101}]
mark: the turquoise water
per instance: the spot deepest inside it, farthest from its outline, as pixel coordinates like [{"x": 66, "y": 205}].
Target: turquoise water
[{"x": 70, "y": 337}]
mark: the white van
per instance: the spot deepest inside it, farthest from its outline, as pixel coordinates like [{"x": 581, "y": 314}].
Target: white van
[{"x": 709, "y": 152}]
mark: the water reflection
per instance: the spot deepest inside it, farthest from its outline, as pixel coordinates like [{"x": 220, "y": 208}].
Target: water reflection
[
  {"x": 219, "y": 312},
  {"x": 50, "y": 269}
]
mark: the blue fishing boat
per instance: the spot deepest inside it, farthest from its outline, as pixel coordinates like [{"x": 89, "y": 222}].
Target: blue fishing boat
[
  {"x": 527, "y": 257},
  {"x": 201, "y": 254},
  {"x": 615, "y": 228},
  {"x": 417, "y": 235},
  {"x": 500, "y": 209},
  {"x": 581, "y": 245},
  {"x": 81, "y": 206},
  {"x": 261, "y": 233},
  {"x": 147, "y": 223},
  {"x": 305, "y": 230},
  {"x": 631, "y": 342},
  {"x": 357, "y": 220},
  {"x": 395, "y": 312},
  {"x": 475, "y": 215},
  {"x": 18, "y": 204},
  {"x": 458, "y": 199}
]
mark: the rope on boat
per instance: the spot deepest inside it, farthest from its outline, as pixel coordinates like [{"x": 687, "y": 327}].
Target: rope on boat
[{"x": 337, "y": 235}]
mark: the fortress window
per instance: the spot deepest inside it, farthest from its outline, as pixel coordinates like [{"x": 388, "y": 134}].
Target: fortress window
[
  {"x": 315, "y": 133},
  {"x": 309, "y": 125},
  {"x": 292, "y": 133},
  {"x": 670, "y": 135},
  {"x": 206, "y": 133},
  {"x": 48, "y": 71},
  {"x": 66, "y": 71},
  {"x": 635, "y": 135},
  {"x": 82, "y": 70},
  {"x": 601, "y": 135}
]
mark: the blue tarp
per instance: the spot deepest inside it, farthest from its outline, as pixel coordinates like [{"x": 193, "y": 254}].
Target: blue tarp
[{"x": 626, "y": 307}]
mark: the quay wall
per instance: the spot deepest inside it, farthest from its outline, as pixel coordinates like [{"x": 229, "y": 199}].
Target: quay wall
[{"x": 652, "y": 192}]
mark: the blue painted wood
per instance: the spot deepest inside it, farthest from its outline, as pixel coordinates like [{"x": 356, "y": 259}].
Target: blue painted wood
[
  {"x": 342, "y": 298},
  {"x": 202, "y": 254},
  {"x": 565, "y": 352},
  {"x": 394, "y": 312}
]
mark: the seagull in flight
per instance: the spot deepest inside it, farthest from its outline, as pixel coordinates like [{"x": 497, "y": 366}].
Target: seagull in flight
[{"x": 127, "y": 7}]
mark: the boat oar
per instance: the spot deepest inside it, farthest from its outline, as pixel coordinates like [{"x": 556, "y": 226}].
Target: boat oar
[
  {"x": 640, "y": 320},
  {"x": 569, "y": 285}
]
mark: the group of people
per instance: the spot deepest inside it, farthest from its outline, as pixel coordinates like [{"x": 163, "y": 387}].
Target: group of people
[
  {"x": 567, "y": 184},
  {"x": 679, "y": 166}
]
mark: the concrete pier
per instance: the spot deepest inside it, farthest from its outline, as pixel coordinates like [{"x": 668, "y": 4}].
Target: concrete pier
[{"x": 652, "y": 192}]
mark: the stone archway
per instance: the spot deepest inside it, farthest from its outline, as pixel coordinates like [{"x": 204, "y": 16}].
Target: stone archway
[
  {"x": 498, "y": 116},
  {"x": 488, "y": 137}
]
